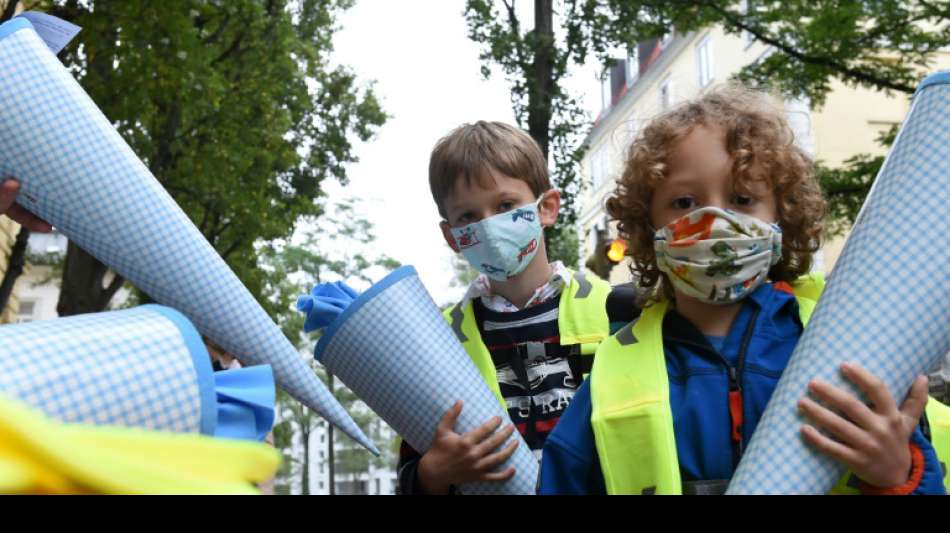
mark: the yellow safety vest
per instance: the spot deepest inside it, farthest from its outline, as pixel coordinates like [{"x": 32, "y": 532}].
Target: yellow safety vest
[
  {"x": 582, "y": 319},
  {"x": 632, "y": 419},
  {"x": 631, "y": 415},
  {"x": 938, "y": 416}
]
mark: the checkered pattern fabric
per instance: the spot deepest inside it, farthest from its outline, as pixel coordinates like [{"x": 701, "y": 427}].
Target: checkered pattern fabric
[
  {"x": 397, "y": 353},
  {"x": 126, "y": 368},
  {"x": 79, "y": 174},
  {"x": 886, "y": 307}
]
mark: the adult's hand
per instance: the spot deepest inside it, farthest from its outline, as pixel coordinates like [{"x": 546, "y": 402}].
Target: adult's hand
[{"x": 9, "y": 207}]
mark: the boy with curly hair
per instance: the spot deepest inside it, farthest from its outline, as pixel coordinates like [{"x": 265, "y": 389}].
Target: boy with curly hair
[{"x": 723, "y": 214}]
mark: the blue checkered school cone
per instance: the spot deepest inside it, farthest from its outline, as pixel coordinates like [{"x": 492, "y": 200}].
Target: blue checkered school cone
[
  {"x": 145, "y": 367},
  {"x": 886, "y": 307},
  {"x": 79, "y": 174},
  {"x": 392, "y": 348}
]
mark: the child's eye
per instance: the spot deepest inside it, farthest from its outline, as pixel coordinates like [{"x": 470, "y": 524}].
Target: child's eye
[
  {"x": 505, "y": 206},
  {"x": 743, "y": 201},
  {"x": 466, "y": 218},
  {"x": 684, "y": 202}
]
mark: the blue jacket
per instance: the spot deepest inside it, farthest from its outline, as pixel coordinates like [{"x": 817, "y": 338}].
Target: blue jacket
[{"x": 766, "y": 330}]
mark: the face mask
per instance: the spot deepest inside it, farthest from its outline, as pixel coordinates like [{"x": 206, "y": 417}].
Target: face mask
[
  {"x": 717, "y": 256},
  {"x": 502, "y": 246}
]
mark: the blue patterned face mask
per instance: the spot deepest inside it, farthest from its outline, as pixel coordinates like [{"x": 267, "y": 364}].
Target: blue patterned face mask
[{"x": 501, "y": 246}]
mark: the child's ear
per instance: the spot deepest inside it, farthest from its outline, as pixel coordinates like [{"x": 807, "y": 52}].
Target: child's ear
[
  {"x": 550, "y": 207},
  {"x": 447, "y": 234}
]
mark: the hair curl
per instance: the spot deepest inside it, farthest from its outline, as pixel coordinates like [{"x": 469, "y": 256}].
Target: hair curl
[{"x": 761, "y": 145}]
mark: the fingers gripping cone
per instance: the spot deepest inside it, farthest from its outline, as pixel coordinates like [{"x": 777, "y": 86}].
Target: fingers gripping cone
[
  {"x": 885, "y": 308},
  {"x": 80, "y": 175},
  {"x": 392, "y": 348}
]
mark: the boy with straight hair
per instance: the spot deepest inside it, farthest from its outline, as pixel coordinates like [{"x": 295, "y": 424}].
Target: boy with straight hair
[{"x": 529, "y": 325}]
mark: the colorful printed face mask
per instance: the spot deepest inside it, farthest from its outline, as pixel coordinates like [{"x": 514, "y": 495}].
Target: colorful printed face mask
[
  {"x": 502, "y": 246},
  {"x": 717, "y": 255}
]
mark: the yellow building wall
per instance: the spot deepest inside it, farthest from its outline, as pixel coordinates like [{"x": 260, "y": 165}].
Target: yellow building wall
[
  {"x": 849, "y": 123},
  {"x": 8, "y": 232}
]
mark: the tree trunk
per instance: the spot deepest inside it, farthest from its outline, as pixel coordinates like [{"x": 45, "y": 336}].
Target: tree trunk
[
  {"x": 330, "y": 460},
  {"x": 14, "y": 267},
  {"x": 9, "y": 9},
  {"x": 83, "y": 289},
  {"x": 305, "y": 478},
  {"x": 540, "y": 95}
]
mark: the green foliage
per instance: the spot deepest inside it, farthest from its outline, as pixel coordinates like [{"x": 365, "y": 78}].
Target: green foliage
[
  {"x": 534, "y": 61},
  {"x": 233, "y": 106},
  {"x": 337, "y": 246},
  {"x": 882, "y": 45},
  {"x": 846, "y": 188}
]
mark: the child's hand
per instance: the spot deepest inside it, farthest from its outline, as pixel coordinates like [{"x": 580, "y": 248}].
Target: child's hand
[
  {"x": 873, "y": 440},
  {"x": 453, "y": 458},
  {"x": 9, "y": 207}
]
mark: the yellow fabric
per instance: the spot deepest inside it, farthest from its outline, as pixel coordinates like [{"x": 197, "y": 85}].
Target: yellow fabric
[
  {"x": 938, "y": 415},
  {"x": 581, "y": 320},
  {"x": 631, "y": 415},
  {"x": 42, "y": 456},
  {"x": 471, "y": 340},
  {"x": 582, "y": 311}
]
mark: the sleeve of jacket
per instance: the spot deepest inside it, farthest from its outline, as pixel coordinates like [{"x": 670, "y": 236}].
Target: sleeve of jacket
[
  {"x": 931, "y": 481},
  {"x": 569, "y": 464},
  {"x": 926, "y": 475},
  {"x": 407, "y": 473},
  {"x": 407, "y": 479}
]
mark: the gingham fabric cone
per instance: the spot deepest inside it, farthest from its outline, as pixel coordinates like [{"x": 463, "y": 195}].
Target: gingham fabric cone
[
  {"x": 79, "y": 174},
  {"x": 144, "y": 367},
  {"x": 886, "y": 306},
  {"x": 392, "y": 348}
]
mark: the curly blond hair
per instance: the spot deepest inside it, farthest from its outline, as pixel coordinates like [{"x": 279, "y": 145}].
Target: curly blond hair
[{"x": 761, "y": 145}]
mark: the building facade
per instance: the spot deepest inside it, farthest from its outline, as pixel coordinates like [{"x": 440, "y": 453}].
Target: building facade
[{"x": 660, "y": 73}]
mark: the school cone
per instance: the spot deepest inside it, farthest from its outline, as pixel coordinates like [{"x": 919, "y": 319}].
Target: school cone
[
  {"x": 394, "y": 350},
  {"x": 79, "y": 174},
  {"x": 144, "y": 367},
  {"x": 885, "y": 308}
]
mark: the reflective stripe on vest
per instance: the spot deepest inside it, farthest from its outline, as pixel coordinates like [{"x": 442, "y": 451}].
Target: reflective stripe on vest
[
  {"x": 632, "y": 418},
  {"x": 938, "y": 416},
  {"x": 581, "y": 319}
]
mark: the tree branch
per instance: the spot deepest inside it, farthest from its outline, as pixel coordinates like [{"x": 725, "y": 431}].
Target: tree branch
[
  {"x": 110, "y": 291},
  {"x": 516, "y": 31},
  {"x": 8, "y": 10},
  {"x": 787, "y": 49}
]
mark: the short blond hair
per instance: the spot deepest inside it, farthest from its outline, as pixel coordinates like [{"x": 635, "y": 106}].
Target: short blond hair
[{"x": 473, "y": 151}]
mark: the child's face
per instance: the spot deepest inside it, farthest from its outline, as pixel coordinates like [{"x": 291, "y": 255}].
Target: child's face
[
  {"x": 700, "y": 175},
  {"x": 470, "y": 202}
]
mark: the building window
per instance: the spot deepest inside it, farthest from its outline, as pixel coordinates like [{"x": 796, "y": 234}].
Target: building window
[
  {"x": 704, "y": 61},
  {"x": 630, "y": 131},
  {"x": 666, "y": 40},
  {"x": 27, "y": 310},
  {"x": 633, "y": 66},
  {"x": 598, "y": 167},
  {"x": 666, "y": 94},
  {"x": 605, "y": 95}
]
